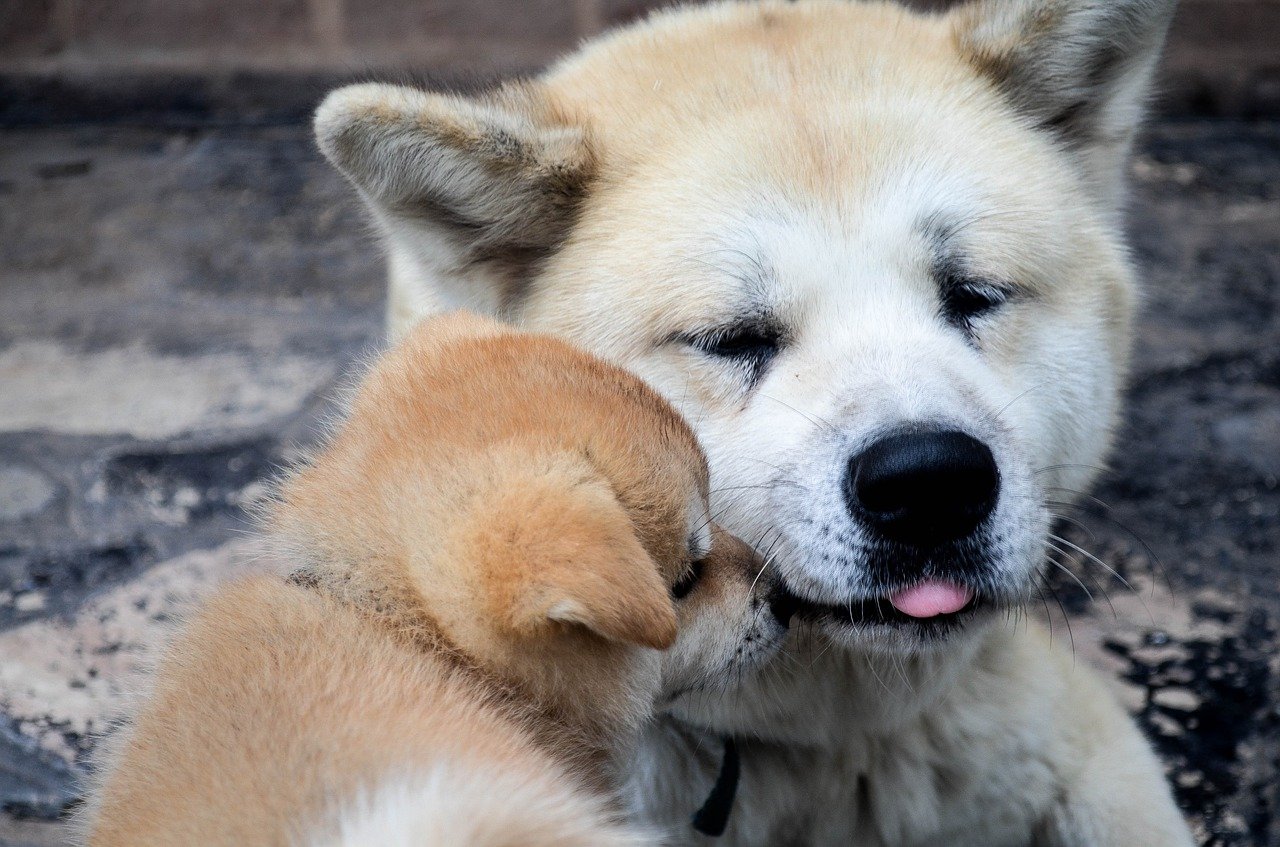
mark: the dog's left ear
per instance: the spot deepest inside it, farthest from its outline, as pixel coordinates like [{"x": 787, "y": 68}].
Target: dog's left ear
[
  {"x": 484, "y": 185},
  {"x": 615, "y": 591},
  {"x": 558, "y": 548},
  {"x": 1080, "y": 69}
]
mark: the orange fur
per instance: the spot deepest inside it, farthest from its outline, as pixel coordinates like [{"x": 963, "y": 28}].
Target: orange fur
[{"x": 487, "y": 545}]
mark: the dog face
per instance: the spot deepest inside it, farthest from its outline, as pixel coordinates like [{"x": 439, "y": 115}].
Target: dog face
[
  {"x": 732, "y": 618},
  {"x": 871, "y": 255},
  {"x": 542, "y": 511}
]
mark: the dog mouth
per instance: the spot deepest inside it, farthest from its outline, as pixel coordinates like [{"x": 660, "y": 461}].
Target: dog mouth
[{"x": 933, "y": 607}]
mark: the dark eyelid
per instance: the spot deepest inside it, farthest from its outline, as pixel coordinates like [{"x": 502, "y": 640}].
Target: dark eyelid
[
  {"x": 686, "y": 583},
  {"x": 1004, "y": 290},
  {"x": 761, "y": 326},
  {"x": 748, "y": 344},
  {"x": 953, "y": 271}
]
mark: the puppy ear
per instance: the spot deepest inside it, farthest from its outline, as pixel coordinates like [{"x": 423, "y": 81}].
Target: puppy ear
[
  {"x": 494, "y": 180},
  {"x": 615, "y": 591},
  {"x": 564, "y": 551},
  {"x": 1079, "y": 68}
]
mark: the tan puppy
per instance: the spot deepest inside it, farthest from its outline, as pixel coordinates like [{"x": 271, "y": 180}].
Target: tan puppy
[{"x": 494, "y": 548}]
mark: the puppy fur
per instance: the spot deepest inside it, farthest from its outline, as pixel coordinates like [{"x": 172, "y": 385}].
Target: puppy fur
[
  {"x": 808, "y": 224},
  {"x": 485, "y": 554}
]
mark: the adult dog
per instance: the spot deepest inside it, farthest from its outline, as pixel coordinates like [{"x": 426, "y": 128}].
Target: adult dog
[{"x": 876, "y": 258}]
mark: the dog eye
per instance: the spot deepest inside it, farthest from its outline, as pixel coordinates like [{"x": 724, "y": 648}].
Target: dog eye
[
  {"x": 964, "y": 302},
  {"x": 749, "y": 344},
  {"x": 686, "y": 582}
]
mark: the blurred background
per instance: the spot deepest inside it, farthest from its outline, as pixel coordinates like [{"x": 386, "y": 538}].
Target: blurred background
[{"x": 183, "y": 281}]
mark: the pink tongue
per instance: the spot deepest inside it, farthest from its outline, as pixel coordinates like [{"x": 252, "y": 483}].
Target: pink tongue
[{"x": 931, "y": 598}]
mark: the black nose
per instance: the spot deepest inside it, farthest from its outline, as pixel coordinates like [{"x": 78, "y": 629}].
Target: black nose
[{"x": 925, "y": 487}]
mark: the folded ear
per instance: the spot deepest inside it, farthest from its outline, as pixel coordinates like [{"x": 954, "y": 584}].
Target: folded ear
[
  {"x": 615, "y": 591},
  {"x": 1079, "y": 68},
  {"x": 491, "y": 180},
  {"x": 567, "y": 552}
]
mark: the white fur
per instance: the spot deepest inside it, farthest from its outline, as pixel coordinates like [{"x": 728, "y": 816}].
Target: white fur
[
  {"x": 464, "y": 804},
  {"x": 786, "y": 157}
]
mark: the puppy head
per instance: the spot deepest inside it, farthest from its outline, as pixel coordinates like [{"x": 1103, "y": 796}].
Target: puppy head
[{"x": 530, "y": 505}]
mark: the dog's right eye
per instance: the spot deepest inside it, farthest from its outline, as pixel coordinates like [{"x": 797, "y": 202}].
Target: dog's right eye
[
  {"x": 965, "y": 302},
  {"x": 686, "y": 582},
  {"x": 741, "y": 344},
  {"x": 752, "y": 345}
]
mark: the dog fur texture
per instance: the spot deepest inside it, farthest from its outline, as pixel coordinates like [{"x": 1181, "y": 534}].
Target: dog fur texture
[
  {"x": 809, "y": 224},
  {"x": 487, "y": 549}
]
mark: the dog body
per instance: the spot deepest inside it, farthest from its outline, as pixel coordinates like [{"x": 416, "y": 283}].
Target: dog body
[
  {"x": 488, "y": 549},
  {"x": 875, "y": 258},
  {"x": 1010, "y": 744},
  {"x": 282, "y": 718}
]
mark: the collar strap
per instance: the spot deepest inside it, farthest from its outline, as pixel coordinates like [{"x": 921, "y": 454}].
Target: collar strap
[{"x": 713, "y": 817}]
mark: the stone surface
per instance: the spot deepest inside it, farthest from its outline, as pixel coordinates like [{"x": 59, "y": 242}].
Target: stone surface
[
  {"x": 23, "y": 492},
  {"x": 185, "y": 300},
  {"x": 132, "y": 391},
  {"x": 64, "y": 679},
  {"x": 27, "y": 26},
  {"x": 178, "y": 24},
  {"x": 549, "y": 21},
  {"x": 1221, "y": 59}
]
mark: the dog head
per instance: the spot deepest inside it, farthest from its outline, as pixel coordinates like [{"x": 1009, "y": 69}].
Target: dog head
[
  {"x": 872, "y": 255},
  {"x": 533, "y": 507}
]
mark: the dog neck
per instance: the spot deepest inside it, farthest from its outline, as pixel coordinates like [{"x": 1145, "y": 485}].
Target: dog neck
[{"x": 843, "y": 692}]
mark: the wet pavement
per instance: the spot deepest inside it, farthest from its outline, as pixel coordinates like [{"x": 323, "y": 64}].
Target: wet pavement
[{"x": 177, "y": 306}]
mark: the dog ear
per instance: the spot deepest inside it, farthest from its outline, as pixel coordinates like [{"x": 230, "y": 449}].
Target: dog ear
[
  {"x": 460, "y": 182},
  {"x": 566, "y": 552},
  {"x": 1078, "y": 68},
  {"x": 615, "y": 591}
]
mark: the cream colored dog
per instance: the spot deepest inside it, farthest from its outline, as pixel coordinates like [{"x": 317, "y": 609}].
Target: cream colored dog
[
  {"x": 876, "y": 257},
  {"x": 494, "y": 548}
]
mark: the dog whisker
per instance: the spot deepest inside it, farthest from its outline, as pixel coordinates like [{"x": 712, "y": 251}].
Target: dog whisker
[
  {"x": 998, "y": 415},
  {"x": 1074, "y": 522},
  {"x": 811, "y": 418},
  {"x": 777, "y": 468},
  {"x": 1048, "y": 615},
  {"x": 1064, "y": 465},
  {"x": 1158, "y": 569},
  {"x": 763, "y": 567},
  {"x": 1097, "y": 587},
  {"x": 1083, "y": 494},
  {"x": 871, "y": 665},
  {"x": 1060, "y": 540},
  {"x": 1066, "y": 619},
  {"x": 899, "y": 665},
  {"x": 1068, "y": 571}
]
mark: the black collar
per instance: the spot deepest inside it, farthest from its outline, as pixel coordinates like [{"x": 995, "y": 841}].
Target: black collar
[{"x": 713, "y": 817}]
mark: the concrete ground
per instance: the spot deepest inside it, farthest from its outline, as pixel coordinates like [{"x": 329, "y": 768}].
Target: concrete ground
[{"x": 177, "y": 305}]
